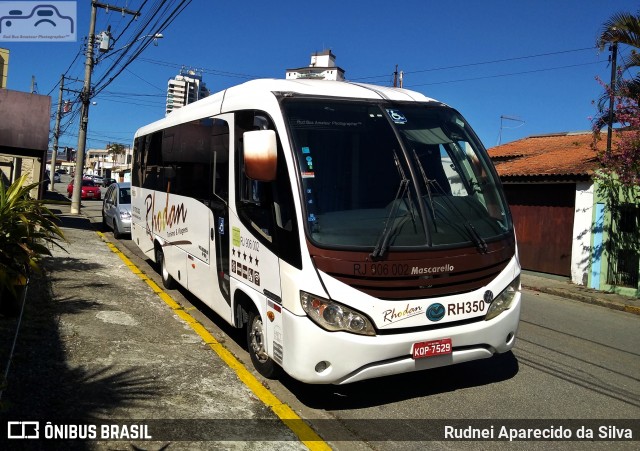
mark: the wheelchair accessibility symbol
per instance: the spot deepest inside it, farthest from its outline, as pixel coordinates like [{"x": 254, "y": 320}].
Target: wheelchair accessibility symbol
[{"x": 31, "y": 21}]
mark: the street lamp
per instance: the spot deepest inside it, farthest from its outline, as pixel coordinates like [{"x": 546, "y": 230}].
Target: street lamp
[{"x": 105, "y": 41}]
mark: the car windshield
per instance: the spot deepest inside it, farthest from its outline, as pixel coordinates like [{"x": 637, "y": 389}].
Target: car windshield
[
  {"x": 88, "y": 183},
  {"x": 125, "y": 196},
  {"x": 393, "y": 175}
]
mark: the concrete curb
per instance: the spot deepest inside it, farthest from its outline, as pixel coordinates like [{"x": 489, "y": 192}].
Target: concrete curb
[{"x": 588, "y": 298}]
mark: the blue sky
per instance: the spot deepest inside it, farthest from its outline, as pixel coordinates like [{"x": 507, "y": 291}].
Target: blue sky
[{"x": 533, "y": 60}]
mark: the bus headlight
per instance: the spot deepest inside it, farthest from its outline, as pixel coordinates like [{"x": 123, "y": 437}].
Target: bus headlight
[
  {"x": 334, "y": 316},
  {"x": 503, "y": 301}
]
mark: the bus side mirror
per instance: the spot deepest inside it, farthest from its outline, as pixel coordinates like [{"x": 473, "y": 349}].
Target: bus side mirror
[{"x": 260, "y": 155}]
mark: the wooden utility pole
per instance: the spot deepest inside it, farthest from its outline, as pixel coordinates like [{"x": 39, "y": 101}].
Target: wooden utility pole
[
  {"x": 56, "y": 135},
  {"x": 614, "y": 69},
  {"x": 85, "y": 97}
]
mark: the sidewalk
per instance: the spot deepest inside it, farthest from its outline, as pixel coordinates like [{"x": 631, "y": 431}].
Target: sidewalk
[{"x": 564, "y": 288}]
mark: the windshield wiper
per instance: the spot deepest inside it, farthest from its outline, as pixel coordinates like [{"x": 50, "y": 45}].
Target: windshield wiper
[
  {"x": 473, "y": 233},
  {"x": 427, "y": 184},
  {"x": 390, "y": 223}
]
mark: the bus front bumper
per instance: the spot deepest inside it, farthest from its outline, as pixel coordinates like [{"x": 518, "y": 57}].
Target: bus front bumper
[{"x": 324, "y": 357}]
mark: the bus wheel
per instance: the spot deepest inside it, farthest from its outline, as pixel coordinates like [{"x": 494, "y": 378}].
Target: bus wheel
[
  {"x": 168, "y": 281},
  {"x": 256, "y": 347}
]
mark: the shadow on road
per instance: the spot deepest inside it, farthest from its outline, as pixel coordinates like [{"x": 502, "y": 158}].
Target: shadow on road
[{"x": 393, "y": 389}]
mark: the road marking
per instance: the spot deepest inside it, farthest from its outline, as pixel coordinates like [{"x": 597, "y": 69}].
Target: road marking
[{"x": 285, "y": 413}]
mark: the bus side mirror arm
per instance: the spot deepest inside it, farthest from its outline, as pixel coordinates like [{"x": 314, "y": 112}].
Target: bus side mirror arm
[{"x": 260, "y": 155}]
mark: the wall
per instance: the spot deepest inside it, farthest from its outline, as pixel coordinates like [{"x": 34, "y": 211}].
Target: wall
[
  {"x": 582, "y": 224},
  {"x": 606, "y": 241},
  {"x": 24, "y": 122}
]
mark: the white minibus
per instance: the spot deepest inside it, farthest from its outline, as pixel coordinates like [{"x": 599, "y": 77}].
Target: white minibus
[{"x": 354, "y": 231}]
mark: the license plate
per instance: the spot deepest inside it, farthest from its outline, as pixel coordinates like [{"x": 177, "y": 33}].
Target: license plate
[
  {"x": 431, "y": 348},
  {"x": 89, "y": 194}
]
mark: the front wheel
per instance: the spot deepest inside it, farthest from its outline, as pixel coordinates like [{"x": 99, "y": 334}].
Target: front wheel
[
  {"x": 257, "y": 350},
  {"x": 116, "y": 233},
  {"x": 168, "y": 281}
]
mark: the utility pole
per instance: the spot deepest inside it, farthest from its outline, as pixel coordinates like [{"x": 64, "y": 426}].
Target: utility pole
[
  {"x": 85, "y": 96},
  {"x": 614, "y": 69},
  {"x": 395, "y": 77},
  {"x": 56, "y": 134}
]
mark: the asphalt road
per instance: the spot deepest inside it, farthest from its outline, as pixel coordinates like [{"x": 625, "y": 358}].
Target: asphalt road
[{"x": 572, "y": 361}]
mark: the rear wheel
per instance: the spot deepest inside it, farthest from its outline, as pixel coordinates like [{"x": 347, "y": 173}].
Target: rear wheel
[
  {"x": 257, "y": 348},
  {"x": 168, "y": 281}
]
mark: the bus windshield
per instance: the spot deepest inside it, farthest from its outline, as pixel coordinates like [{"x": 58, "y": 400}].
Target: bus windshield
[{"x": 402, "y": 175}]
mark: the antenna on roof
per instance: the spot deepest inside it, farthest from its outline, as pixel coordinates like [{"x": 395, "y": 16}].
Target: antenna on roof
[{"x": 508, "y": 118}]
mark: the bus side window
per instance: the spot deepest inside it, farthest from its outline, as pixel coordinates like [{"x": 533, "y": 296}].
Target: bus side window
[{"x": 220, "y": 151}]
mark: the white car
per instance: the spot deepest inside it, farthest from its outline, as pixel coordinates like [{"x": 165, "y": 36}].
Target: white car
[{"x": 116, "y": 208}]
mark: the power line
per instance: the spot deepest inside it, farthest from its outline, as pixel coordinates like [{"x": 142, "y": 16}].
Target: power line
[
  {"x": 504, "y": 60},
  {"x": 203, "y": 70},
  {"x": 156, "y": 28},
  {"x": 504, "y": 75}
]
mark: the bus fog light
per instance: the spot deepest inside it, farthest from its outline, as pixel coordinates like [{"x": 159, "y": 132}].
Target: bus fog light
[
  {"x": 333, "y": 316},
  {"x": 504, "y": 300},
  {"x": 322, "y": 366}
]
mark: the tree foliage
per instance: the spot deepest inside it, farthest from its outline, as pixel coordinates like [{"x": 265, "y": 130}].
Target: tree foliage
[
  {"x": 27, "y": 229},
  {"x": 115, "y": 149},
  {"x": 622, "y": 161}
]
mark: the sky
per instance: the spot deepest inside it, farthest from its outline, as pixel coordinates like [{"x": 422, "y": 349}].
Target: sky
[{"x": 512, "y": 68}]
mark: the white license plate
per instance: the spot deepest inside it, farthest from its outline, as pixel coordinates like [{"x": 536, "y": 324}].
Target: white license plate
[{"x": 431, "y": 348}]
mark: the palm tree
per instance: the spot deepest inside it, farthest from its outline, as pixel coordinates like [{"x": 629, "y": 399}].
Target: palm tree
[
  {"x": 621, "y": 28},
  {"x": 115, "y": 150}
]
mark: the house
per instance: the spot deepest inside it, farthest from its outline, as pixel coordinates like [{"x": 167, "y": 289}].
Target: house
[
  {"x": 105, "y": 164},
  {"x": 559, "y": 216},
  {"x": 24, "y": 136},
  {"x": 548, "y": 182}
]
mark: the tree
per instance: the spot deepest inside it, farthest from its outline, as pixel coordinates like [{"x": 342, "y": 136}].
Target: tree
[
  {"x": 620, "y": 103},
  {"x": 27, "y": 229},
  {"x": 115, "y": 149}
]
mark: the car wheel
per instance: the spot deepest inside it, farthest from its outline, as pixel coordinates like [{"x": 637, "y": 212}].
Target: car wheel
[
  {"x": 256, "y": 347},
  {"x": 168, "y": 281},
  {"x": 104, "y": 222},
  {"x": 116, "y": 232}
]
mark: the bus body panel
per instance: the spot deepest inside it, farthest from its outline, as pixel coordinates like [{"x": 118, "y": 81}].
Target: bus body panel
[{"x": 252, "y": 264}]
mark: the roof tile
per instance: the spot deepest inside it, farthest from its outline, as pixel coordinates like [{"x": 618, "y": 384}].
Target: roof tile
[{"x": 562, "y": 154}]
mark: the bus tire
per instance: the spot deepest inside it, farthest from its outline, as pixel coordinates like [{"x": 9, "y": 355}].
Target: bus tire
[
  {"x": 256, "y": 347},
  {"x": 168, "y": 281}
]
